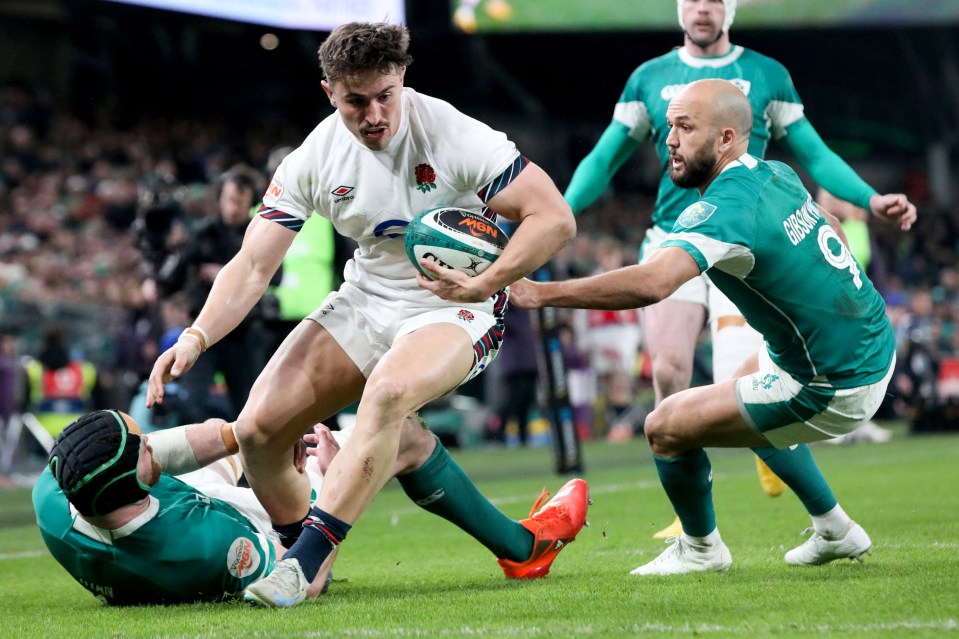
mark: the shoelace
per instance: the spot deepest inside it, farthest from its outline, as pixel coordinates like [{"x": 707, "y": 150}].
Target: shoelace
[
  {"x": 543, "y": 497},
  {"x": 552, "y": 511},
  {"x": 815, "y": 536},
  {"x": 676, "y": 545}
]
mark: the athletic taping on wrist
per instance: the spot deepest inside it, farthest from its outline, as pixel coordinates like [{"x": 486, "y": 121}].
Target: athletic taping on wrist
[{"x": 199, "y": 335}]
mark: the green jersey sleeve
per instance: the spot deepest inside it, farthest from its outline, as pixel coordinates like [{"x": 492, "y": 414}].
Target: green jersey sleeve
[
  {"x": 594, "y": 173},
  {"x": 825, "y": 166}
]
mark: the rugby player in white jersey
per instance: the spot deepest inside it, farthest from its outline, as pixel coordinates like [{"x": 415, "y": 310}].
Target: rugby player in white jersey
[
  {"x": 385, "y": 155},
  {"x": 672, "y": 327}
]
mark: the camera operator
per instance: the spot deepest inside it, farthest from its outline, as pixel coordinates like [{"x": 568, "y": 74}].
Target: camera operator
[{"x": 240, "y": 355}]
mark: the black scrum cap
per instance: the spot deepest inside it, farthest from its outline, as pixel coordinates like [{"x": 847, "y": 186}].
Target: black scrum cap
[{"x": 94, "y": 461}]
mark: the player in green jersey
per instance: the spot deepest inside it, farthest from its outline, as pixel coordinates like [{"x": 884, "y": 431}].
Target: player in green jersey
[
  {"x": 133, "y": 534},
  {"x": 672, "y": 326},
  {"x": 829, "y": 349}
]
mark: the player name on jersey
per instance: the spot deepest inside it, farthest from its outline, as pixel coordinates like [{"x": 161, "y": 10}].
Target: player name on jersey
[{"x": 799, "y": 224}]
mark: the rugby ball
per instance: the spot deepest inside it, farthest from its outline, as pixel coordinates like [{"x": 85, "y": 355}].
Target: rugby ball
[{"x": 454, "y": 238}]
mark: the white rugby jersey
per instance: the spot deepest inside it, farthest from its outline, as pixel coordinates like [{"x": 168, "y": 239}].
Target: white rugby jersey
[{"x": 438, "y": 157}]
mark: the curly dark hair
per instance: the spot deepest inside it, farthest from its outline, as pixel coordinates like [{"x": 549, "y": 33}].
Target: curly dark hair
[{"x": 360, "y": 46}]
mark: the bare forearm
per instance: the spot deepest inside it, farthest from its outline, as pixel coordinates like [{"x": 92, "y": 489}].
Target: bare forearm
[
  {"x": 212, "y": 440},
  {"x": 533, "y": 243},
  {"x": 186, "y": 448},
  {"x": 620, "y": 289},
  {"x": 237, "y": 288}
]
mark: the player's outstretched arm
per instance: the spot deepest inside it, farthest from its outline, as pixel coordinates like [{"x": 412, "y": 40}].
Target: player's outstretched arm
[
  {"x": 624, "y": 288},
  {"x": 837, "y": 177},
  {"x": 236, "y": 289},
  {"x": 184, "y": 449}
]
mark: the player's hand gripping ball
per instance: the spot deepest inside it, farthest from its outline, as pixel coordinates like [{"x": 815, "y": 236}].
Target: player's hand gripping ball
[{"x": 455, "y": 239}]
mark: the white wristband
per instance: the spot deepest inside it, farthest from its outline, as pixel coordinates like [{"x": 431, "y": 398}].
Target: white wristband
[{"x": 173, "y": 451}]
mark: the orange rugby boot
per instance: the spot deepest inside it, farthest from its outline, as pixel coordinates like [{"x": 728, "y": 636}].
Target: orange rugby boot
[{"x": 554, "y": 526}]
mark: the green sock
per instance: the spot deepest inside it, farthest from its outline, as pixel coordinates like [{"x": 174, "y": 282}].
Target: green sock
[
  {"x": 688, "y": 481},
  {"x": 441, "y": 487},
  {"x": 798, "y": 469}
]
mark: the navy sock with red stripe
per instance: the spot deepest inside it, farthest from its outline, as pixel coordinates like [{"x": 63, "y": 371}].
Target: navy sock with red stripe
[{"x": 322, "y": 533}]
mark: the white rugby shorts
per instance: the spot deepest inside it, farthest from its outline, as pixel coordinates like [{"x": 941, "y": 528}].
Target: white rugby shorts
[
  {"x": 365, "y": 326},
  {"x": 787, "y": 412}
]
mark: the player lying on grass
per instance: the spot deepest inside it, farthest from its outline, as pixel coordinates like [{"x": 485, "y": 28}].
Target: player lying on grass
[
  {"x": 114, "y": 516},
  {"x": 829, "y": 348}
]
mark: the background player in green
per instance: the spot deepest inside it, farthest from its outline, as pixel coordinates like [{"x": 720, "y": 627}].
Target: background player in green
[
  {"x": 672, "y": 326},
  {"x": 829, "y": 349},
  {"x": 132, "y": 534}
]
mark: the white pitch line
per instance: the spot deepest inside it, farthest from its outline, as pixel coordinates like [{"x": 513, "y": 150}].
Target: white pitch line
[
  {"x": 651, "y": 628},
  {"x": 26, "y": 554}
]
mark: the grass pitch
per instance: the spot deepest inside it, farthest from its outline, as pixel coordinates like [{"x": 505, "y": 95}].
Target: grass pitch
[{"x": 405, "y": 573}]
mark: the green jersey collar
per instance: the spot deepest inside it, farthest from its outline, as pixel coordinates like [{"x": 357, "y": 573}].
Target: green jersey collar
[{"x": 714, "y": 62}]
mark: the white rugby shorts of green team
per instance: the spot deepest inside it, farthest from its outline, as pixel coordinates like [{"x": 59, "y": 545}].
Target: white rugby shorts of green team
[{"x": 788, "y": 412}]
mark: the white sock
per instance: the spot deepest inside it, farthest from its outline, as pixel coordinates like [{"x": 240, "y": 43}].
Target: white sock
[
  {"x": 708, "y": 541},
  {"x": 831, "y": 523}
]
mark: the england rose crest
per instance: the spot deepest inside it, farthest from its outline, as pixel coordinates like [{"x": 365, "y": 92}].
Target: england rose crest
[{"x": 425, "y": 178}]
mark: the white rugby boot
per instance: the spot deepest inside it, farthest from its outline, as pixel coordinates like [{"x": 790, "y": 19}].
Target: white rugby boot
[
  {"x": 286, "y": 586},
  {"x": 684, "y": 556},
  {"x": 852, "y": 543}
]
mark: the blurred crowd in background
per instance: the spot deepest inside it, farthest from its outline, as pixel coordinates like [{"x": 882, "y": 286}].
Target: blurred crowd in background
[{"x": 89, "y": 215}]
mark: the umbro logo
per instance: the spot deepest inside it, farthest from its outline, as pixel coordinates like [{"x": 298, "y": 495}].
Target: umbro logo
[{"x": 342, "y": 193}]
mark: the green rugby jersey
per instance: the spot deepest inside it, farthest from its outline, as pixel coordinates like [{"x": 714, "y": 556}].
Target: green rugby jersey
[
  {"x": 759, "y": 236},
  {"x": 185, "y": 547},
  {"x": 642, "y": 107}
]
